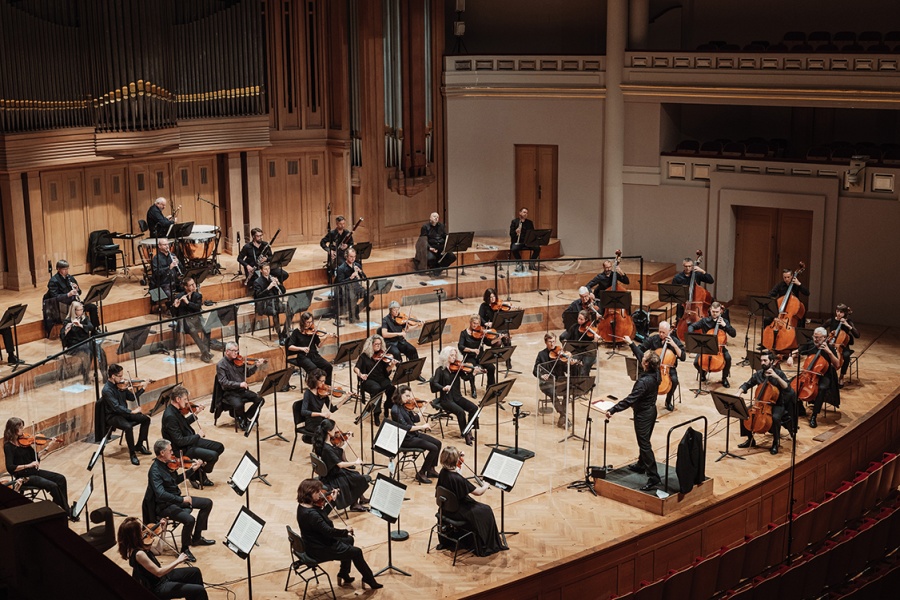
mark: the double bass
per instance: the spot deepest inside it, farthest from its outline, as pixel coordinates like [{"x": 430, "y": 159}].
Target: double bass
[
  {"x": 616, "y": 323},
  {"x": 697, "y": 304},
  {"x": 760, "y": 414},
  {"x": 780, "y": 335}
]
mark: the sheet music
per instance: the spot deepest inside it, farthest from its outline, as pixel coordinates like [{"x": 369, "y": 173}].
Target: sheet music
[
  {"x": 96, "y": 454},
  {"x": 244, "y": 472},
  {"x": 245, "y": 531},
  {"x": 502, "y": 469},
  {"x": 603, "y": 405},
  {"x": 85, "y": 495},
  {"x": 387, "y": 497},
  {"x": 390, "y": 438}
]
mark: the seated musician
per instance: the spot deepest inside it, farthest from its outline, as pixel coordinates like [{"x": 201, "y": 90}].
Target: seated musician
[
  {"x": 63, "y": 289},
  {"x": 472, "y": 345},
  {"x": 176, "y": 427},
  {"x": 76, "y": 330},
  {"x": 582, "y": 331},
  {"x": 235, "y": 391},
  {"x": 267, "y": 291},
  {"x": 254, "y": 254},
  {"x": 115, "y": 395},
  {"x": 586, "y": 301},
  {"x": 23, "y": 462},
  {"x": 335, "y": 243},
  {"x": 329, "y": 446},
  {"x": 788, "y": 280},
  {"x": 446, "y": 381},
  {"x": 828, "y": 389},
  {"x": 841, "y": 317},
  {"x": 406, "y": 414},
  {"x": 518, "y": 231},
  {"x": 188, "y": 306},
  {"x": 303, "y": 348},
  {"x": 436, "y": 233},
  {"x": 350, "y": 274},
  {"x": 163, "y": 489},
  {"x": 603, "y": 280},
  {"x": 684, "y": 278},
  {"x": 479, "y": 517},
  {"x": 158, "y": 223},
  {"x": 663, "y": 338},
  {"x": 168, "y": 581},
  {"x": 166, "y": 270},
  {"x": 708, "y": 325},
  {"x": 394, "y": 335},
  {"x": 488, "y": 310},
  {"x": 374, "y": 368},
  {"x": 552, "y": 374},
  {"x": 316, "y": 405},
  {"x": 783, "y": 407}
]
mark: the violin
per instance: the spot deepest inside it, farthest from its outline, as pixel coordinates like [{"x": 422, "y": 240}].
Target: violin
[
  {"x": 616, "y": 323},
  {"x": 324, "y": 390},
  {"x": 384, "y": 357},
  {"x": 136, "y": 383},
  {"x": 588, "y": 332},
  {"x": 338, "y": 437},
  {"x": 464, "y": 367},
  {"x": 715, "y": 362},
  {"x": 502, "y": 306},
  {"x": 38, "y": 441},
  {"x": 184, "y": 462},
  {"x": 154, "y": 530},
  {"x": 697, "y": 305},
  {"x": 556, "y": 353},
  {"x": 414, "y": 403},
  {"x": 240, "y": 361},
  {"x": 324, "y": 499},
  {"x": 319, "y": 332},
  {"x": 487, "y": 334},
  {"x": 402, "y": 319},
  {"x": 779, "y": 335},
  {"x": 190, "y": 408}
]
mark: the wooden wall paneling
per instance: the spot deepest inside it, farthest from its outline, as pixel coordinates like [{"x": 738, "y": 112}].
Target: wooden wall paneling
[
  {"x": 313, "y": 52},
  {"x": 526, "y": 178},
  {"x": 547, "y": 171},
  {"x": 274, "y": 199},
  {"x": 336, "y": 45},
  {"x": 144, "y": 187},
  {"x": 38, "y": 242},
  {"x": 106, "y": 202},
  {"x": 191, "y": 178},
  {"x": 338, "y": 189},
  {"x": 312, "y": 207},
  {"x": 65, "y": 225}
]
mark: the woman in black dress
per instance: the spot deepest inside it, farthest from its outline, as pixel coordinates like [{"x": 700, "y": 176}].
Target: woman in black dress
[
  {"x": 325, "y": 542},
  {"x": 409, "y": 420},
  {"x": 162, "y": 581},
  {"x": 76, "y": 329},
  {"x": 480, "y": 517},
  {"x": 472, "y": 345},
  {"x": 374, "y": 367},
  {"x": 314, "y": 408},
  {"x": 487, "y": 312},
  {"x": 303, "y": 347},
  {"x": 447, "y": 382},
  {"x": 351, "y": 483}
]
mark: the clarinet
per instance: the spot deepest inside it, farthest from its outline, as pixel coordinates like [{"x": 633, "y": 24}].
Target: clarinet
[{"x": 74, "y": 287}]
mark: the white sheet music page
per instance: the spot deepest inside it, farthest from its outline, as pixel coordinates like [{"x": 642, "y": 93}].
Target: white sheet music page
[
  {"x": 390, "y": 438},
  {"x": 387, "y": 498},
  {"x": 502, "y": 469},
  {"x": 603, "y": 405},
  {"x": 244, "y": 473},
  {"x": 245, "y": 532}
]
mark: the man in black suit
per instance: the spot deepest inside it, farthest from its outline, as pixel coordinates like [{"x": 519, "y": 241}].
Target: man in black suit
[
  {"x": 176, "y": 427},
  {"x": 63, "y": 288},
  {"x": 188, "y": 306},
  {"x": 350, "y": 274},
  {"x": 436, "y": 234},
  {"x": 157, "y": 223},
  {"x": 518, "y": 229},
  {"x": 115, "y": 399},
  {"x": 166, "y": 269}
]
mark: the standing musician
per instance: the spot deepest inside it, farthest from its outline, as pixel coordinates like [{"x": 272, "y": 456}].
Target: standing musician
[
  {"x": 518, "y": 229},
  {"x": 472, "y": 344},
  {"x": 163, "y": 490},
  {"x": 63, "y": 288},
  {"x": 552, "y": 373},
  {"x": 350, "y": 274},
  {"x": 787, "y": 281},
  {"x": 663, "y": 337},
  {"x": 166, "y": 270},
  {"x": 235, "y": 391},
  {"x": 841, "y": 317},
  {"x": 479, "y": 517},
  {"x": 115, "y": 396},
  {"x": 603, "y": 281},
  {"x": 408, "y": 417},
  {"x": 176, "y": 427},
  {"x": 374, "y": 368},
  {"x": 24, "y": 462},
  {"x": 436, "y": 233},
  {"x": 488, "y": 310},
  {"x": 188, "y": 306},
  {"x": 266, "y": 290},
  {"x": 642, "y": 400},
  {"x": 303, "y": 347},
  {"x": 394, "y": 334},
  {"x": 325, "y": 542},
  {"x": 315, "y": 407},
  {"x": 446, "y": 381},
  {"x": 162, "y": 581},
  {"x": 76, "y": 329},
  {"x": 782, "y": 410},
  {"x": 158, "y": 223},
  {"x": 684, "y": 278},
  {"x": 9, "y": 344},
  {"x": 328, "y": 444},
  {"x": 255, "y": 254},
  {"x": 582, "y": 331},
  {"x": 829, "y": 390},
  {"x": 335, "y": 243},
  {"x": 708, "y": 324}
]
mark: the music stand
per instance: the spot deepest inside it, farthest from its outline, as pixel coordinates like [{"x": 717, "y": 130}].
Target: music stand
[
  {"x": 81, "y": 504},
  {"x": 536, "y": 238},
  {"x": 132, "y": 341},
  {"x": 368, "y": 410},
  {"x": 282, "y": 258},
  {"x": 346, "y": 352},
  {"x": 673, "y": 294},
  {"x": 99, "y": 454},
  {"x": 578, "y": 386},
  {"x": 11, "y": 318},
  {"x": 158, "y": 296},
  {"x": 759, "y": 306},
  {"x": 241, "y": 539},
  {"x": 198, "y": 274},
  {"x": 220, "y": 318},
  {"x": 704, "y": 344},
  {"x": 271, "y": 384},
  {"x": 431, "y": 333},
  {"x": 729, "y": 406},
  {"x": 254, "y": 424},
  {"x": 97, "y": 294},
  {"x": 380, "y": 287},
  {"x": 408, "y": 371},
  {"x": 243, "y": 475},
  {"x": 457, "y": 243},
  {"x": 363, "y": 251},
  {"x": 615, "y": 301},
  {"x": 494, "y": 394},
  {"x": 385, "y": 503},
  {"x": 159, "y": 397},
  {"x": 298, "y": 302},
  {"x": 580, "y": 347},
  {"x": 501, "y": 470},
  {"x": 506, "y": 321}
]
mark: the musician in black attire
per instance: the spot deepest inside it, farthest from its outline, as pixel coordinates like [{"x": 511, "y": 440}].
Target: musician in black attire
[
  {"x": 115, "y": 396},
  {"x": 341, "y": 473},
  {"x": 162, "y": 581},
  {"x": 436, "y": 233},
  {"x": 323, "y": 541},
  {"x": 552, "y": 374},
  {"x": 518, "y": 229},
  {"x": 684, "y": 278},
  {"x": 708, "y": 324},
  {"x": 266, "y": 290},
  {"x": 235, "y": 391},
  {"x": 410, "y": 421},
  {"x": 335, "y": 243},
  {"x": 76, "y": 330},
  {"x": 176, "y": 427},
  {"x": 479, "y": 517},
  {"x": 663, "y": 337},
  {"x": 788, "y": 280},
  {"x": 472, "y": 348},
  {"x": 394, "y": 334},
  {"x": 783, "y": 407},
  {"x": 829, "y": 390},
  {"x": 447, "y": 383},
  {"x": 166, "y": 270},
  {"x": 842, "y": 317},
  {"x": 603, "y": 280},
  {"x": 642, "y": 400},
  {"x": 8, "y": 343},
  {"x": 374, "y": 372},
  {"x": 255, "y": 254},
  {"x": 575, "y": 334},
  {"x": 63, "y": 288},
  {"x": 315, "y": 407},
  {"x": 163, "y": 490},
  {"x": 350, "y": 274},
  {"x": 487, "y": 313},
  {"x": 188, "y": 306},
  {"x": 303, "y": 348},
  {"x": 586, "y": 301},
  {"x": 157, "y": 223}
]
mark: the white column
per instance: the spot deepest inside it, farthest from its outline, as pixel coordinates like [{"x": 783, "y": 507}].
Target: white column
[
  {"x": 612, "y": 221},
  {"x": 638, "y": 23}
]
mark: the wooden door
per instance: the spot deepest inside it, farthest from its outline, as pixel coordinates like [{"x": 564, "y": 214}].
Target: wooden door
[
  {"x": 295, "y": 198},
  {"x": 65, "y": 223},
  {"x": 537, "y": 184},
  {"x": 191, "y": 181},
  {"x": 766, "y": 241},
  {"x": 147, "y": 182}
]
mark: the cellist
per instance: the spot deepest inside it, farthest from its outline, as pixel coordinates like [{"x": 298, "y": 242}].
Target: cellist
[
  {"x": 708, "y": 324},
  {"x": 828, "y": 383},
  {"x": 781, "y": 288},
  {"x": 841, "y": 318},
  {"x": 781, "y": 410},
  {"x": 662, "y": 338},
  {"x": 684, "y": 278}
]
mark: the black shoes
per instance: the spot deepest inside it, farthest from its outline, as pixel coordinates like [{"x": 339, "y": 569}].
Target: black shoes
[
  {"x": 650, "y": 486},
  {"x": 207, "y": 482},
  {"x": 774, "y": 449},
  {"x": 202, "y": 541},
  {"x": 190, "y": 555},
  {"x": 432, "y": 473},
  {"x": 143, "y": 449},
  {"x": 422, "y": 478},
  {"x": 421, "y": 379},
  {"x": 469, "y": 439},
  {"x": 725, "y": 383},
  {"x": 749, "y": 443},
  {"x": 372, "y": 584},
  {"x": 474, "y": 392},
  {"x": 135, "y": 460},
  {"x": 670, "y": 404},
  {"x": 345, "y": 579},
  {"x": 702, "y": 375},
  {"x": 636, "y": 468},
  {"x": 812, "y": 422}
]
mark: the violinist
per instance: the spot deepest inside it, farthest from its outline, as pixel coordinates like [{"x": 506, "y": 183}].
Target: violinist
[
  {"x": 603, "y": 280},
  {"x": 373, "y": 368},
  {"x": 76, "y": 330},
  {"x": 170, "y": 581},
  {"x": 163, "y": 490},
  {"x": 63, "y": 288},
  {"x": 551, "y": 371},
  {"x": 303, "y": 347},
  {"x": 188, "y": 306},
  {"x": 688, "y": 268},
  {"x": 233, "y": 381},
  {"x": 315, "y": 406},
  {"x": 436, "y": 234},
  {"x": 446, "y": 381},
  {"x": 266, "y": 290},
  {"x": 158, "y": 223},
  {"x": 479, "y": 517},
  {"x": 828, "y": 390},
  {"x": 518, "y": 231},
  {"x": 406, "y": 414},
  {"x": 642, "y": 400},
  {"x": 663, "y": 338},
  {"x": 472, "y": 344},
  {"x": 336, "y": 243},
  {"x": 323, "y": 541},
  {"x": 582, "y": 331},
  {"x": 841, "y": 318},
  {"x": 176, "y": 427},
  {"x": 788, "y": 280},
  {"x": 781, "y": 410},
  {"x": 708, "y": 325},
  {"x": 329, "y": 444},
  {"x": 115, "y": 395},
  {"x": 488, "y": 310},
  {"x": 255, "y": 254},
  {"x": 165, "y": 269},
  {"x": 394, "y": 334},
  {"x": 23, "y": 462},
  {"x": 586, "y": 301},
  {"x": 351, "y": 275}
]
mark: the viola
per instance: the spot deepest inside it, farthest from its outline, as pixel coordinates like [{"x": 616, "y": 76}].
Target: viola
[
  {"x": 190, "y": 408},
  {"x": 153, "y": 530},
  {"x": 324, "y": 499},
  {"x": 616, "y": 324},
  {"x": 780, "y": 335},
  {"x": 667, "y": 359},
  {"x": 715, "y": 362},
  {"x": 39, "y": 441},
  {"x": 760, "y": 414},
  {"x": 137, "y": 383},
  {"x": 240, "y": 361},
  {"x": 697, "y": 305},
  {"x": 487, "y": 334},
  {"x": 384, "y": 357},
  {"x": 184, "y": 462},
  {"x": 807, "y": 383}
]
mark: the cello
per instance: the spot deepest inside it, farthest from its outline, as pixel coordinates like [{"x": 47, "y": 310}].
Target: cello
[
  {"x": 697, "y": 305},
  {"x": 616, "y": 323},
  {"x": 667, "y": 359},
  {"x": 760, "y": 414},
  {"x": 780, "y": 335},
  {"x": 807, "y": 383},
  {"x": 840, "y": 338},
  {"x": 714, "y": 363}
]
